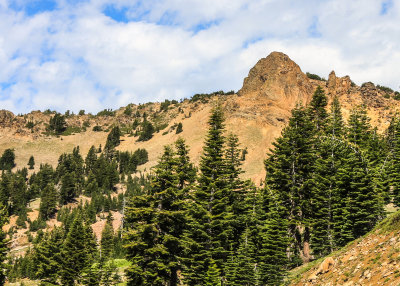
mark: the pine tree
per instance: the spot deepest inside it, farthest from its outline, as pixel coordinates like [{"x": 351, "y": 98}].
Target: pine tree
[
  {"x": 179, "y": 128},
  {"x": 48, "y": 202},
  {"x": 213, "y": 275},
  {"x": 274, "y": 260},
  {"x": 210, "y": 218},
  {"x": 113, "y": 138},
  {"x": 68, "y": 188},
  {"x": 7, "y": 160},
  {"x": 317, "y": 108},
  {"x": 245, "y": 268},
  {"x": 90, "y": 160},
  {"x": 236, "y": 186},
  {"x": 18, "y": 189},
  {"x": 31, "y": 162},
  {"x": 74, "y": 253},
  {"x": 359, "y": 131},
  {"x": 57, "y": 123},
  {"x": 147, "y": 131},
  {"x": 107, "y": 241},
  {"x": 156, "y": 221},
  {"x": 47, "y": 256},
  {"x": 3, "y": 243},
  {"x": 290, "y": 169},
  {"x": 92, "y": 276}
]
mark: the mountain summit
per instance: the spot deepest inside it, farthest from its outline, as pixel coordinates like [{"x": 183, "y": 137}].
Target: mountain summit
[{"x": 277, "y": 77}]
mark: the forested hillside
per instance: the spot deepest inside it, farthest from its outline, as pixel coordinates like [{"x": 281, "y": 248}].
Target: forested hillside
[{"x": 99, "y": 219}]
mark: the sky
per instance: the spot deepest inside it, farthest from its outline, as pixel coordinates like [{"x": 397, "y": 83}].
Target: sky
[{"x": 95, "y": 54}]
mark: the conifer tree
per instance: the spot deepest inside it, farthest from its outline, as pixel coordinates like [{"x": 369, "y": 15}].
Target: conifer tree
[
  {"x": 359, "y": 131},
  {"x": 210, "y": 218},
  {"x": 317, "y": 108},
  {"x": 245, "y": 267},
  {"x": 47, "y": 256},
  {"x": 107, "y": 241},
  {"x": 48, "y": 203},
  {"x": 113, "y": 138},
  {"x": 236, "y": 186},
  {"x": 213, "y": 275},
  {"x": 31, "y": 162},
  {"x": 290, "y": 173},
  {"x": 7, "y": 160},
  {"x": 68, "y": 188},
  {"x": 18, "y": 198},
  {"x": 74, "y": 253},
  {"x": 3, "y": 243},
  {"x": 57, "y": 123},
  {"x": 92, "y": 276},
  {"x": 274, "y": 261},
  {"x": 90, "y": 160},
  {"x": 156, "y": 222}
]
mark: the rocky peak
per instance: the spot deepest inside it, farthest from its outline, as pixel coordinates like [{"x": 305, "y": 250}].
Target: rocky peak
[{"x": 276, "y": 77}]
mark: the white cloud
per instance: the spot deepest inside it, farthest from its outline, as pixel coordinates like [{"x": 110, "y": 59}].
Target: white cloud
[{"x": 75, "y": 57}]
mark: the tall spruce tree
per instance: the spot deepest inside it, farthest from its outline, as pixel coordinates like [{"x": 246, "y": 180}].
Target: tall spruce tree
[
  {"x": 210, "y": 218},
  {"x": 274, "y": 260},
  {"x": 75, "y": 256},
  {"x": 156, "y": 221},
  {"x": 290, "y": 168}
]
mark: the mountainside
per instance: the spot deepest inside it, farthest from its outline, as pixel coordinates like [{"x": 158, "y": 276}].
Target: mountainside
[
  {"x": 370, "y": 260},
  {"x": 257, "y": 114}
]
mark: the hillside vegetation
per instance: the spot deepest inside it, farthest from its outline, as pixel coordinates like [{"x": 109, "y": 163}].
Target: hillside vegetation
[{"x": 225, "y": 188}]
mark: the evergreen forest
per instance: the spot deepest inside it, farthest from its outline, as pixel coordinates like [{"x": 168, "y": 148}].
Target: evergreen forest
[{"x": 327, "y": 183}]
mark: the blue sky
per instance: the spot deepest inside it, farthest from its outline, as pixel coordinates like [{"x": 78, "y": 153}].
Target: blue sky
[{"x": 96, "y": 54}]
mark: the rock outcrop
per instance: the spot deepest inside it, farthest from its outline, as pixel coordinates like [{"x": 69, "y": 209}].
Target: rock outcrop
[
  {"x": 277, "y": 77},
  {"x": 6, "y": 118}
]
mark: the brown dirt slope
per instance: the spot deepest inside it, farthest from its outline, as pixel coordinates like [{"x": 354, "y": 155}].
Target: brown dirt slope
[{"x": 371, "y": 260}]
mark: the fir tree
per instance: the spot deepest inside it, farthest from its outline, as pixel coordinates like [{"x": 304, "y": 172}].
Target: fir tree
[
  {"x": 74, "y": 253},
  {"x": 47, "y": 256},
  {"x": 31, "y": 162},
  {"x": 274, "y": 260},
  {"x": 3, "y": 243},
  {"x": 156, "y": 222},
  {"x": 290, "y": 168},
  {"x": 57, "y": 123},
  {"x": 7, "y": 159},
  {"x": 210, "y": 218},
  {"x": 48, "y": 203},
  {"x": 317, "y": 108},
  {"x": 68, "y": 188},
  {"x": 107, "y": 241},
  {"x": 113, "y": 138},
  {"x": 213, "y": 275}
]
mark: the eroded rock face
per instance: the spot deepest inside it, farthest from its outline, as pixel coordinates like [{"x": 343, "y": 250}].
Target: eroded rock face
[
  {"x": 6, "y": 118},
  {"x": 277, "y": 77},
  {"x": 338, "y": 85}
]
